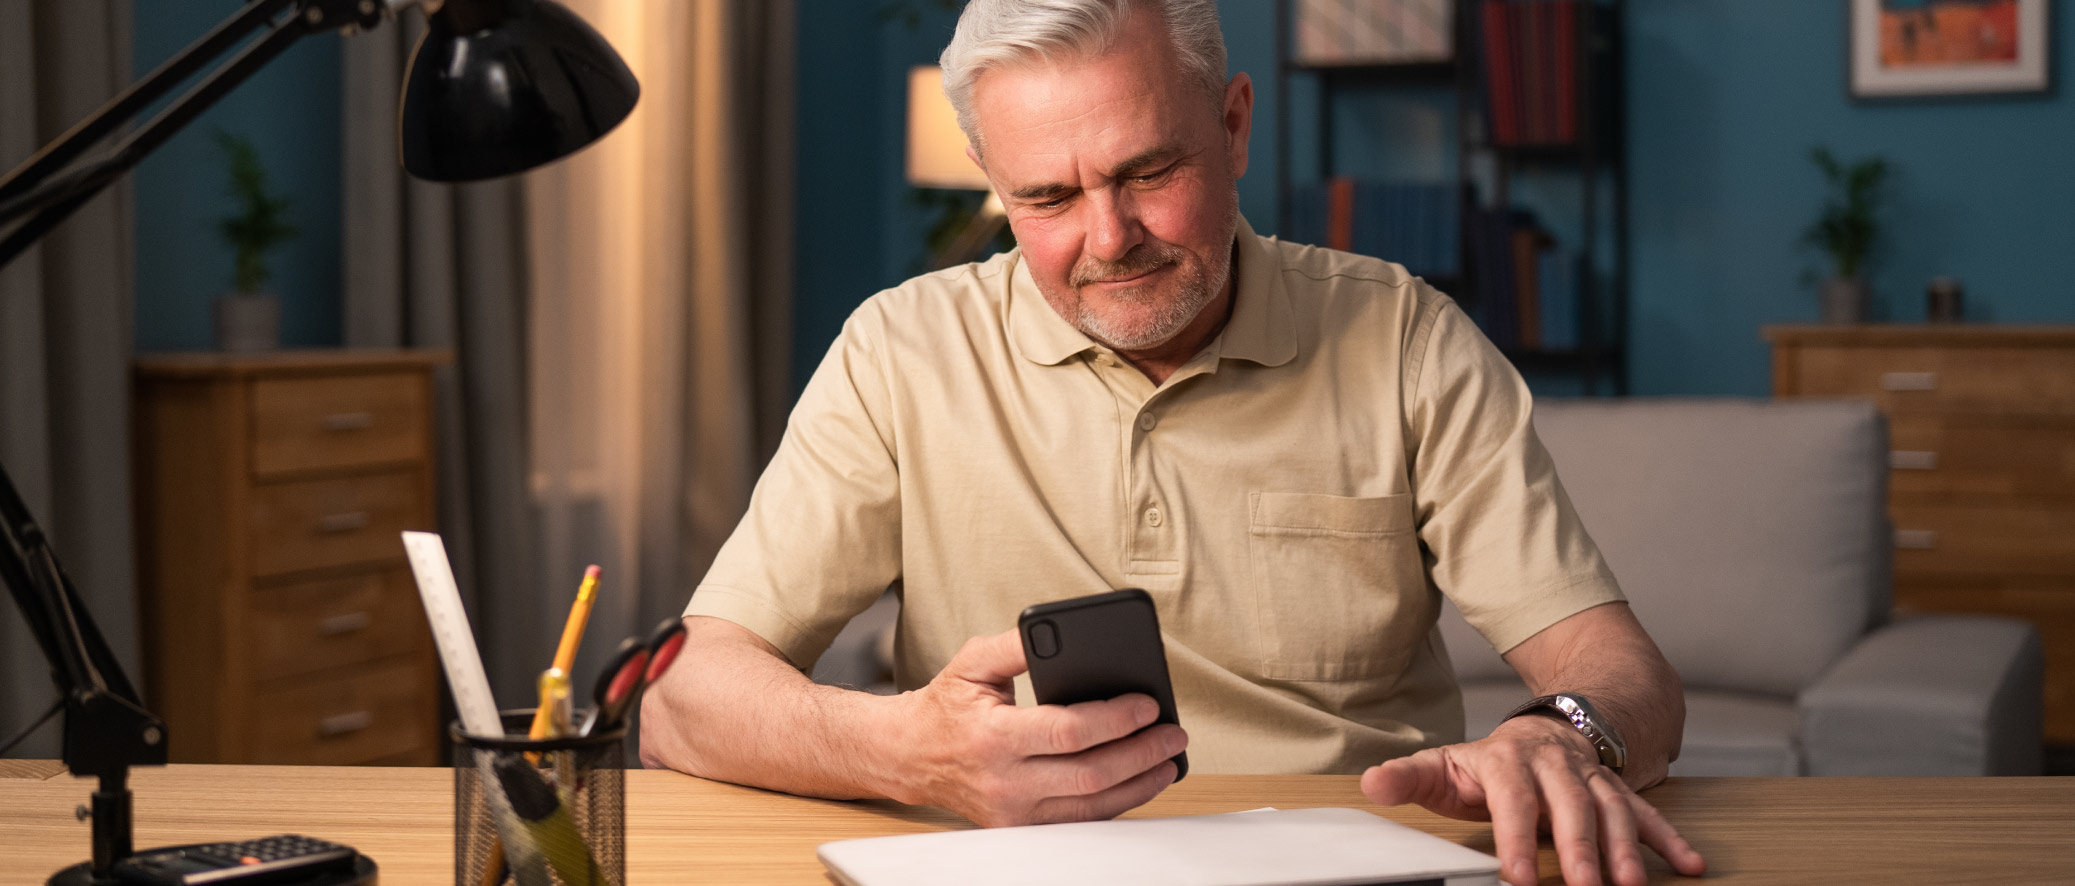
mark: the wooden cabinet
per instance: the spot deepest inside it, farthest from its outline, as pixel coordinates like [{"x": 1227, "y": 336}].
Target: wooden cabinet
[
  {"x": 281, "y": 624},
  {"x": 1982, "y": 482}
]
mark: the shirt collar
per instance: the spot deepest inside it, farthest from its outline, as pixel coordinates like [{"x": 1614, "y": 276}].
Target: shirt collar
[{"x": 1260, "y": 330}]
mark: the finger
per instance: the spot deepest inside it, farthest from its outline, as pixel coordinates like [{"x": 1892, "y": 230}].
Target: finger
[
  {"x": 1659, "y": 834},
  {"x": 1573, "y": 822},
  {"x": 1422, "y": 778},
  {"x": 1131, "y": 794},
  {"x": 1100, "y": 768},
  {"x": 1067, "y": 729},
  {"x": 994, "y": 660},
  {"x": 1617, "y": 828},
  {"x": 1511, "y": 798}
]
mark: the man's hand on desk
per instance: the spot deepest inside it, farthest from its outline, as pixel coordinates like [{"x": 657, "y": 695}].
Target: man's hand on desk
[
  {"x": 1537, "y": 773},
  {"x": 974, "y": 752}
]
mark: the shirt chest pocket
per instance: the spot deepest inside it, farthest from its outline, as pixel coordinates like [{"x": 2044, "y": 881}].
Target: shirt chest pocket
[{"x": 1339, "y": 585}]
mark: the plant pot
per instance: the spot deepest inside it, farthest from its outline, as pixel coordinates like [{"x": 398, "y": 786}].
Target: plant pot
[
  {"x": 1845, "y": 300},
  {"x": 248, "y": 322}
]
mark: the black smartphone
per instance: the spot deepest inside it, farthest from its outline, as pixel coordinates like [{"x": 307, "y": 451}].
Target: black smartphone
[{"x": 1099, "y": 647}]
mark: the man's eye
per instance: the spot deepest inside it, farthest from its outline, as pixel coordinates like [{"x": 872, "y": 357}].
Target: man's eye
[
  {"x": 1054, "y": 203},
  {"x": 1151, "y": 178}
]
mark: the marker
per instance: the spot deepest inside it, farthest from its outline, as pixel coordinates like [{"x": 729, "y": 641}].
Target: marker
[{"x": 540, "y": 811}]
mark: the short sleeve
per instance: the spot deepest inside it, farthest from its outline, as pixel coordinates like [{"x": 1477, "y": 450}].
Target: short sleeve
[
  {"x": 1502, "y": 540},
  {"x": 821, "y": 540}
]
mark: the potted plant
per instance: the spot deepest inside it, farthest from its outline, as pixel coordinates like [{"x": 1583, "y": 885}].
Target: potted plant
[
  {"x": 1846, "y": 231},
  {"x": 248, "y": 318}
]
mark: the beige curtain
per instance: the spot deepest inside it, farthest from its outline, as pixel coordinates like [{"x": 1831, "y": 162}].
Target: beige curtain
[
  {"x": 65, "y": 325},
  {"x": 619, "y": 318},
  {"x": 660, "y": 314},
  {"x": 443, "y": 266}
]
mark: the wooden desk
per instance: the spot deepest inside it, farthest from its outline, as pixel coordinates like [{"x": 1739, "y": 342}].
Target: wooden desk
[{"x": 684, "y": 830}]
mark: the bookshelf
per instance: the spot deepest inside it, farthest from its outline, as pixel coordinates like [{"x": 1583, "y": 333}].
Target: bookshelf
[{"x": 1564, "y": 131}]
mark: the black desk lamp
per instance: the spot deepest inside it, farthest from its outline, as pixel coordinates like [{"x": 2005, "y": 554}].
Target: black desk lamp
[{"x": 496, "y": 87}]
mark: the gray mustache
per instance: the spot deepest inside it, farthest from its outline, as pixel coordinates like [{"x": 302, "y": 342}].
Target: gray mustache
[{"x": 1143, "y": 259}]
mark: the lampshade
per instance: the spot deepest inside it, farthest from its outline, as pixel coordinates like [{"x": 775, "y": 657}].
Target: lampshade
[
  {"x": 936, "y": 146},
  {"x": 501, "y": 86}
]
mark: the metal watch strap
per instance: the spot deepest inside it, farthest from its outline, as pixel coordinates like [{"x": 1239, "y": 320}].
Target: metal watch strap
[{"x": 1572, "y": 708}]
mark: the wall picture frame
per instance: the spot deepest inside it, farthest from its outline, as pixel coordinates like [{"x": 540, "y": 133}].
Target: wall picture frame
[{"x": 1934, "y": 48}]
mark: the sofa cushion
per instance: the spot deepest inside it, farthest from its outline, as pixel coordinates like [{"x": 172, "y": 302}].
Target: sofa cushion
[
  {"x": 1726, "y": 733},
  {"x": 1749, "y": 535},
  {"x": 1735, "y": 734}
]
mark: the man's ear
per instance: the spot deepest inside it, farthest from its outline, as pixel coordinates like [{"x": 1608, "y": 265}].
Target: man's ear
[
  {"x": 1238, "y": 120},
  {"x": 974, "y": 156}
]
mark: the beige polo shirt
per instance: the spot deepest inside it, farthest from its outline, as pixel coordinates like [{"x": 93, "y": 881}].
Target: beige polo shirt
[{"x": 1296, "y": 498}]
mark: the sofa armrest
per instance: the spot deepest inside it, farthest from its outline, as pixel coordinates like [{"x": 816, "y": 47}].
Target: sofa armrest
[{"x": 1930, "y": 695}]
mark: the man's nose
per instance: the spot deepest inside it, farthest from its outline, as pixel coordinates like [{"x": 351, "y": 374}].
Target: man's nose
[{"x": 1113, "y": 226}]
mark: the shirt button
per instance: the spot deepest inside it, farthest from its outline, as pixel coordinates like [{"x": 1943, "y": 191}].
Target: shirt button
[
  {"x": 1146, "y": 421},
  {"x": 1153, "y": 517}
]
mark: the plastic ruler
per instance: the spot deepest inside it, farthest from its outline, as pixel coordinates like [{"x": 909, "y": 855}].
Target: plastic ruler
[
  {"x": 472, "y": 698},
  {"x": 450, "y": 631}
]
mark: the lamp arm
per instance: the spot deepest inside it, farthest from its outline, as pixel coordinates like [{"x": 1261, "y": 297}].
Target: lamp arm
[
  {"x": 36, "y": 188},
  {"x": 56, "y": 200},
  {"x": 133, "y": 100},
  {"x": 20, "y": 541}
]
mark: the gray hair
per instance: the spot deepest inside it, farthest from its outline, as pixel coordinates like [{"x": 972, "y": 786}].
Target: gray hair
[{"x": 994, "y": 33}]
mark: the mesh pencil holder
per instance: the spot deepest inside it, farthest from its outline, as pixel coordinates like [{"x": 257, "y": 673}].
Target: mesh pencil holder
[{"x": 539, "y": 812}]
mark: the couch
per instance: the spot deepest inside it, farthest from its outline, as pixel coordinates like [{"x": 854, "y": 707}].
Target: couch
[{"x": 1752, "y": 541}]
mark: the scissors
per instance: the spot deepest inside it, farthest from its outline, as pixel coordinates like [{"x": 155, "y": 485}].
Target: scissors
[{"x": 635, "y": 665}]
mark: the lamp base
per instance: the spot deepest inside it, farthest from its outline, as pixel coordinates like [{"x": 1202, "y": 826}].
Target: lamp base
[{"x": 363, "y": 874}]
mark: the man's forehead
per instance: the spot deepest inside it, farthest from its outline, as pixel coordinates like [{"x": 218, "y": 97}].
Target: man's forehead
[{"x": 1101, "y": 113}]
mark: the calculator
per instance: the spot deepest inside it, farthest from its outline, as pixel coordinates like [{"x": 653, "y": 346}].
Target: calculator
[{"x": 286, "y": 858}]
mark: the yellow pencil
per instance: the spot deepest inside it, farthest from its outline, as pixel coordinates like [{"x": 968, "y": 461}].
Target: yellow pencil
[{"x": 572, "y": 637}]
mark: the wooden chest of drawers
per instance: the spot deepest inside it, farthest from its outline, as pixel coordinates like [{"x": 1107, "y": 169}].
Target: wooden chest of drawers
[
  {"x": 281, "y": 624},
  {"x": 1982, "y": 487}
]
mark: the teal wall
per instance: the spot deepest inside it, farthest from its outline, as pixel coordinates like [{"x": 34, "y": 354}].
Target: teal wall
[
  {"x": 290, "y": 111},
  {"x": 1726, "y": 97},
  {"x": 858, "y": 228}
]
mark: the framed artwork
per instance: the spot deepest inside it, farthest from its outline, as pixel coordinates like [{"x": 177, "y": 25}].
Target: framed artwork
[
  {"x": 1359, "y": 32},
  {"x": 1915, "y": 48}
]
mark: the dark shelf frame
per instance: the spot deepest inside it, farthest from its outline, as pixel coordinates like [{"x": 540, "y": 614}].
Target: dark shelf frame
[{"x": 1596, "y": 157}]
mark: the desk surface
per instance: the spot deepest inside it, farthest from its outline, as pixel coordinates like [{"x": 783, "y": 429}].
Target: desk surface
[{"x": 684, "y": 830}]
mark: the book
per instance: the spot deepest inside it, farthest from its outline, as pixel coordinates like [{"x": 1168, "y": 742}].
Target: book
[
  {"x": 1527, "y": 242},
  {"x": 1558, "y": 277},
  {"x": 1351, "y": 32},
  {"x": 1504, "y": 112}
]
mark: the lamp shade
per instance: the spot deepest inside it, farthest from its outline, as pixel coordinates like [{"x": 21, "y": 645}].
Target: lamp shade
[
  {"x": 501, "y": 86},
  {"x": 936, "y": 146}
]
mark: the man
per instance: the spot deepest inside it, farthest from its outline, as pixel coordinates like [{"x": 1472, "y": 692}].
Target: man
[{"x": 1294, "y": 451}]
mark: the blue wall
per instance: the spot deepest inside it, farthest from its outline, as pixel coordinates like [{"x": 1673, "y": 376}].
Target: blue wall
[
  {"x": 857, "y": 229},
  {"x": 290, "y": 111},
  {"x": 1726, "y": 97}
]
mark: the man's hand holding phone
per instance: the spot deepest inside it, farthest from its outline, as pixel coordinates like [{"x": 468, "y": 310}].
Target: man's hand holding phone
[{"x": 978, "y": 754}]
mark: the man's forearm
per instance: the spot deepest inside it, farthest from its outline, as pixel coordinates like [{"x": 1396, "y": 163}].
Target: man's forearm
[
  {"x": 734, "y": 710},
  {"x": 1606, "y": 657}
]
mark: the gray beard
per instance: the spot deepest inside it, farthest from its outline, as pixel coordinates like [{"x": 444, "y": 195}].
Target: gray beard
[
  {"x": 1198, "y": 287},
  {"x": 1197, "y": 290}
]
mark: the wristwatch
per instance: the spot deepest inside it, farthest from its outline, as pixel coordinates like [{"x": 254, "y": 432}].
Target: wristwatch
[{"x": 1575, "y": 710}]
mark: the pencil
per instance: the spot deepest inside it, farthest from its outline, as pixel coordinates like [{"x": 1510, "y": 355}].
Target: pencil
[{"x": 572, "y": 637}]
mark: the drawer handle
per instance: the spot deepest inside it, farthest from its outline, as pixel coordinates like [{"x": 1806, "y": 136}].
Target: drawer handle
[
  {"x": 1909, "y": 381},
  {"x": 346, "y": 522},
  {"x": 344, "y": 624},
  {"x": 349, "y": 421},
  {"x": 1916, "y": 539},
  {"x": 1913, "y": 460},
  {"x": 340, "y": 724}
]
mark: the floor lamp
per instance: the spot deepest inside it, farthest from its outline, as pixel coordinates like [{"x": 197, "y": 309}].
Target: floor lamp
[{"x": 496, "y": 87}]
